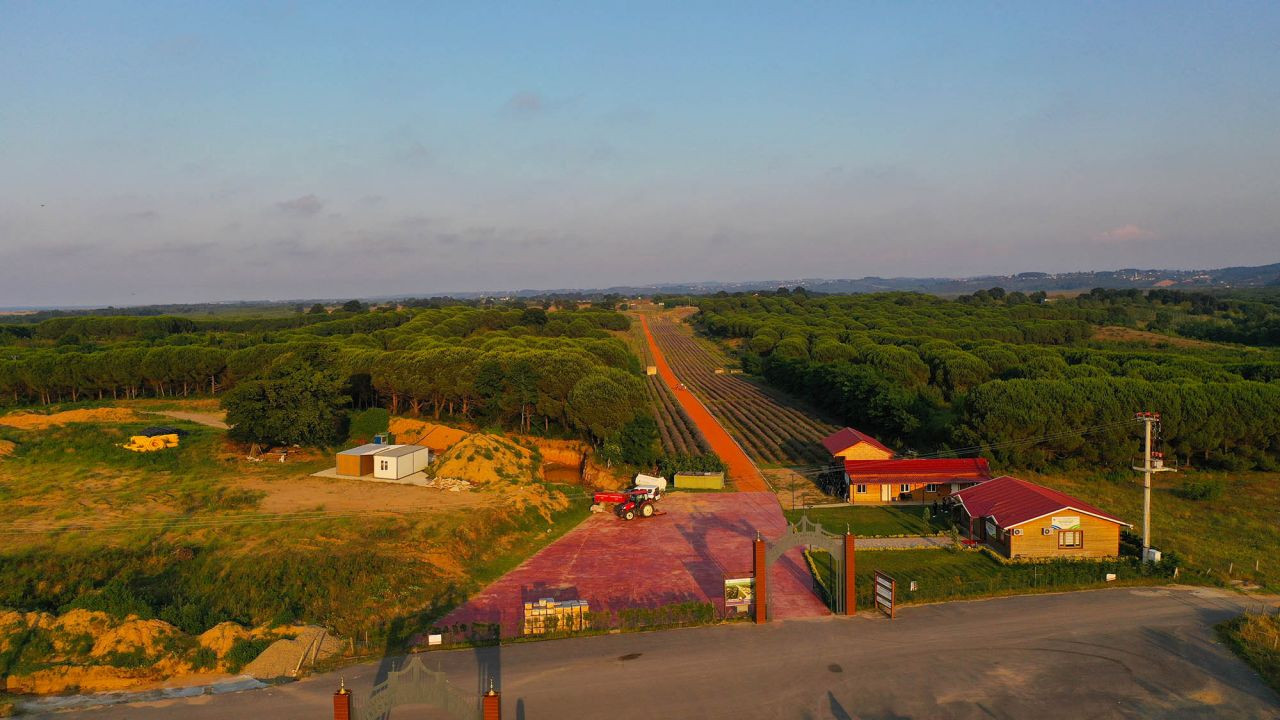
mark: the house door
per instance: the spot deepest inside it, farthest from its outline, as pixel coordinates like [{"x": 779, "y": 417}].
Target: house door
[{"x": 886, "y": 492}]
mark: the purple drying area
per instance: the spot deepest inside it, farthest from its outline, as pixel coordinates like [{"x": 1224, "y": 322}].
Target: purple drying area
[{"x": 682, "y": 555}]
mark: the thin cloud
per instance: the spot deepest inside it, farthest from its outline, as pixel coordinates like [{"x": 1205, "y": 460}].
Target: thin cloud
[
  {"x": 305, "y": 206},
  {"x": 524, "y": 103},
  {"x": 1125, "y": 233}
]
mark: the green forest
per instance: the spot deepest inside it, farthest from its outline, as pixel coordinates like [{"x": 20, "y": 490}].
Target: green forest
[
  {"x": 1028, "y": 380},
  {"x": 522, "y": 368}
]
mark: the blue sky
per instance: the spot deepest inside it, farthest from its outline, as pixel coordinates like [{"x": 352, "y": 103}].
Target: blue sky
[{"x": 157, "y": 152}]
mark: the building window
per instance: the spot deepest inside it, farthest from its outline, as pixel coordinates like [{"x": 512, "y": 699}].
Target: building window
[
  {"x": 904, "y": 487},
  {"x": 1070, "y": 539},
  {"x": 931, "y": 487},
  {"x": 384, "y": 464},
  {"x": 862, "y": 489}
]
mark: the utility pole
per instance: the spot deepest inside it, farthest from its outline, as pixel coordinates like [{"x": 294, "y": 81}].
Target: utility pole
[{"x": 1151, "y": 463}]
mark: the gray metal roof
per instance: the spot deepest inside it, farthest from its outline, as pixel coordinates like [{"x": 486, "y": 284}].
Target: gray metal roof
[
  {"x": 400, "y": 450},
  {"x": 367, "y": 449}
]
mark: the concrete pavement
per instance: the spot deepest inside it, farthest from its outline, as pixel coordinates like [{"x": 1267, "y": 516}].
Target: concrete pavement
[{"x": 1114, "y": 653}]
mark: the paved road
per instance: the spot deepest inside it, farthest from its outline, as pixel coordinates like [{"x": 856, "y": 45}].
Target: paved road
[
  {"x": 1116, "y": 653},
  {"x": 744, "y": 473}
]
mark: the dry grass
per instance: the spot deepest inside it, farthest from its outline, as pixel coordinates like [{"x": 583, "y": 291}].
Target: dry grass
[
  {"x": 1256, "y": 639},
  {"x": 1115, "y": 333},
  {"x": 36, "y": 421}
]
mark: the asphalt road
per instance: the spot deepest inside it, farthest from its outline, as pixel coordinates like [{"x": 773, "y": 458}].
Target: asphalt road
[{"x": 1125, "y": 653}]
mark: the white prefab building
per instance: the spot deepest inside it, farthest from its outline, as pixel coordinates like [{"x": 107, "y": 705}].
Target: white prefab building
[{"x": 398, "y": 461}]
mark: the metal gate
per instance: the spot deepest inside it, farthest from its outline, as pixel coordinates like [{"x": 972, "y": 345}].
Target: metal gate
[
  {"x": 811, "y": 534},
  {"x": 414, "y": 684}
]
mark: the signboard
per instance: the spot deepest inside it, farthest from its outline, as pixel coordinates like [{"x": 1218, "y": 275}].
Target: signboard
[
  {"x": 1066, "y": 522},
  {"x": 886, "y": 591},
  {"x": 739, "y": 593}
]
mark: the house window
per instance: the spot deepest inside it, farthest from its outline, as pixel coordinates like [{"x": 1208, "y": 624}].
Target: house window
[
  {"x": 385, "y": 464},
  {"x": 931, "y": 487},
  {"x": 1070, "y": 539},
  {"x": 904, "y": 487},
  {"x": 862, "y": 489}
]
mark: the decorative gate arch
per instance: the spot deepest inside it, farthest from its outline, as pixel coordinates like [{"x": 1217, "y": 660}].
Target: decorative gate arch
[
  {"x": 809, "y": 534},
  {"x": 414, "y": 684}
]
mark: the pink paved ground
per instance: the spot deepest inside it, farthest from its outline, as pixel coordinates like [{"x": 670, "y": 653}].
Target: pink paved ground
[{"x": 680, "y": 556}]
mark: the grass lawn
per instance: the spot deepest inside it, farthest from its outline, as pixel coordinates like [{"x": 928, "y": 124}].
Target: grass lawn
[
  {"x": 945, "y": 575},
  {"x": 873, "y": 521},
  {"x": 1231, "y": 532},
  {"x": 1256, "y": 639}
]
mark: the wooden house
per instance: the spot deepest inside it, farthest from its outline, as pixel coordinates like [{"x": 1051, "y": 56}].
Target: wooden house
[
  {"x": 850, "y": 444},
  {"x": 1020, "y": 519},
  {"x": 882, "y": 482}
]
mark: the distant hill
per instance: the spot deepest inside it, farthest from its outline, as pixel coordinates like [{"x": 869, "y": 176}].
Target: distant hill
[{"x": 1231, "y": 277}]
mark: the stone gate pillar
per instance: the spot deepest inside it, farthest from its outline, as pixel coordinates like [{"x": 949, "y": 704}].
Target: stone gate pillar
[
  {"x": 761, "y": 572},
  {"x": 342, "y": 702},
  {"x": 850, "y": 600}
]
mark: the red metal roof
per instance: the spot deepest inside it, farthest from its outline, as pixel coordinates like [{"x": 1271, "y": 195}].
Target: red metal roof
[
  {"x": 1011, "y": 501},
  {"x": 846, "y": 438},
  {"x": 925, "y": 468}
]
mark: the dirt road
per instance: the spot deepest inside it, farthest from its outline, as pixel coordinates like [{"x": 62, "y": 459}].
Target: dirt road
[{"x": 746, "y": 477}]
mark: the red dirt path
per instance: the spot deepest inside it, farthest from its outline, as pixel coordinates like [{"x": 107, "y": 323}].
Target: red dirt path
[
  {"x": 682, "y": 555},
  {"x": 746, "y": 477}
]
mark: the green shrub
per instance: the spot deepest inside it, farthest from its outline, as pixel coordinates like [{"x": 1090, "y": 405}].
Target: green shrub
[
  {"x": 366, "y": 424},
  {"x": 245, "y": 650},
  {"x": 1200, "y": 489}
]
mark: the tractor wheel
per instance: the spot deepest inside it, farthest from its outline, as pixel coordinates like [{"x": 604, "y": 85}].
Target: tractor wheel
[
  {"x": 629, "y": 515},
  {"x": 646, "y": 510}
]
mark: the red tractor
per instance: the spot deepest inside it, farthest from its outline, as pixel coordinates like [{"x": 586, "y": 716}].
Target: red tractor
[{"x": 630, "y": 503}]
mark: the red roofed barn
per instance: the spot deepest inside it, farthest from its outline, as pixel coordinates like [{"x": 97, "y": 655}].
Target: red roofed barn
[{"x": 1024, "y": 520}]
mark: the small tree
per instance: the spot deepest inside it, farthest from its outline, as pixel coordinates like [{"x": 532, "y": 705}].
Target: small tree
[
  {"x": 317, "y": 309},
  {"x": 353, "y": 306}
]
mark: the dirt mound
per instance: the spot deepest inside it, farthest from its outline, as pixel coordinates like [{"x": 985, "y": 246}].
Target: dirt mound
[
  {"x": 7, "y": 448},
  {"x": 221, "y": 637},
  {"x": 420, "y": 432},
  {"x": 133, "y": 634},
  {"x": 36, "y": 421},
  {"x": 283, "y": 657},
  {"x": 61, "y": 678},
  {"x": 485, "y": 459}
]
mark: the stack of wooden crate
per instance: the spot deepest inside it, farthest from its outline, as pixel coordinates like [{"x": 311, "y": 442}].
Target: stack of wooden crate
[{"x": 570, "y": 615}]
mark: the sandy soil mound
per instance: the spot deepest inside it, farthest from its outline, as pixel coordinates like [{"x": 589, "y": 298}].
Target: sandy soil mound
[
  {"x": 35, "y": 421},
  {"x": 222, "y": 636},
  {"x": 134, "y": 634},
  {"x": 485, "y": 459},
  {"x": 6, "y": 448},
  {"x": 560, "y": 452},
  {"x": 420, "y": 432}
]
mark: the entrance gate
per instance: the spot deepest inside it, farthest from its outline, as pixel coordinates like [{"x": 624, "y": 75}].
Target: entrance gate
[
  {"x": 840, "y": 592},
  {"x": 414, "y": 684}
]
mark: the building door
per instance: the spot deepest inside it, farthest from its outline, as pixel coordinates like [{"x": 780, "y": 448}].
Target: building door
[{"x": 886, "y": 492}]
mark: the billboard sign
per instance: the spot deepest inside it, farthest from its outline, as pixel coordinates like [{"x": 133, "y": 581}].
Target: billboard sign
[{"x": 1066, "y": 522}]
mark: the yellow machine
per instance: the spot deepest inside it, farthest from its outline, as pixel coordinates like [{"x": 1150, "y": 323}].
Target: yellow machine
[{"x": 151, "y": 443}]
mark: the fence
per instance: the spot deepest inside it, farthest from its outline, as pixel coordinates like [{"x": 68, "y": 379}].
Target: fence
[
  {"x": 675, "y": 615},
  {"x": 921, "y": 584}
]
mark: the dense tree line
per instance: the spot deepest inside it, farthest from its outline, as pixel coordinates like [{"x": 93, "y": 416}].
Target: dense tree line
[
  {"x": 932, "y": 373},
  {"x": 528, "y": 368}
]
